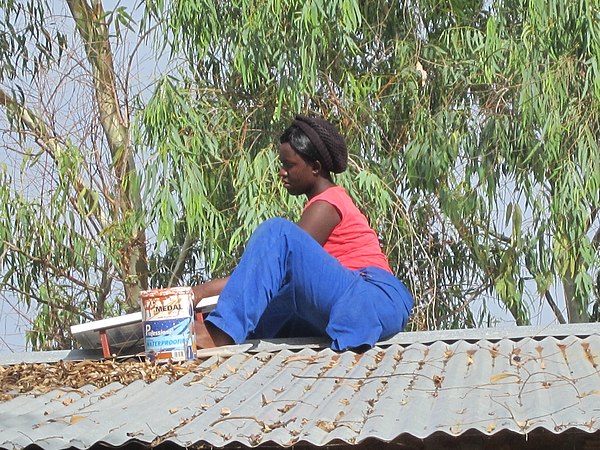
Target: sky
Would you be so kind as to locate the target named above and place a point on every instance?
(13, 323)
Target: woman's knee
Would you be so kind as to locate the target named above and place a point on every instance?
(270, 231)
(275, 225)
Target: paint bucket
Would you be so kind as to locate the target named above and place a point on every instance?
(168, 320)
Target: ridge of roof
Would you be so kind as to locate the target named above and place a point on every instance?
(404, 338)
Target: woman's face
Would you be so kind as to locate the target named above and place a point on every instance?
(297, 175)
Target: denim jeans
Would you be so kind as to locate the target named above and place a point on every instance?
(287, 284)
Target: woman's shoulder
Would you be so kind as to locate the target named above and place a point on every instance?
(334, 192)
(334, 195)
(337, 197)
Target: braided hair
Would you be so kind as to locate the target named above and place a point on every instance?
(315, 139)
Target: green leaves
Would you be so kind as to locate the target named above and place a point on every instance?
(27, 44)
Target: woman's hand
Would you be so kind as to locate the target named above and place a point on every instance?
(208, 289)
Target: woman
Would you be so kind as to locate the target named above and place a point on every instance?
(326, 275)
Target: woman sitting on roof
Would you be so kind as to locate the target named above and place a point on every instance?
(325, 275)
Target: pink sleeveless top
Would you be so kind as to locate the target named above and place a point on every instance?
(353, 242)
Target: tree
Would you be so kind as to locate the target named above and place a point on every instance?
(76, 226)
(472, 128)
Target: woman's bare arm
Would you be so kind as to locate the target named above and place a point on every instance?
(319, 220)
(208, 289)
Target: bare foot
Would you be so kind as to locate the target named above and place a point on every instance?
(209, 336)
(219, 337)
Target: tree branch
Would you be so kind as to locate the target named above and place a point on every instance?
(48, 265)
(555, 309)
(92, 27)
(40, 131)
(89, 20)
(62, 305)
(180, 263)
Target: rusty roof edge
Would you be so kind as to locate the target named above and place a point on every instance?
(52, 356)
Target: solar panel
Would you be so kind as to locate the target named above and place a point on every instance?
(122, 332)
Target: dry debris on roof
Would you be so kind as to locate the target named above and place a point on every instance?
(522, 392)
(41, 378)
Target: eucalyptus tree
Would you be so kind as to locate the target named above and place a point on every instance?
(73, 242)
(472, 128)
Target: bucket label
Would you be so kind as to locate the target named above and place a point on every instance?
(169, 336)
(168, 316)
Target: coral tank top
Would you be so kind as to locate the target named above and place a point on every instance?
(353, 242)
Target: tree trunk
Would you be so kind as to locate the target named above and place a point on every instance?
(89, 20)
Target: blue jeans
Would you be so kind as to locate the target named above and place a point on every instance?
(286, 283)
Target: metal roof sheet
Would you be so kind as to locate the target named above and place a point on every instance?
(317, 396)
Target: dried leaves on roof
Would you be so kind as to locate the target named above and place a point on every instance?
(41, 378)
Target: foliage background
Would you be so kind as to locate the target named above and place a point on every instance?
(472, 126)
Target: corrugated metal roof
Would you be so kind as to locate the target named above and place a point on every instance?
(451, 385)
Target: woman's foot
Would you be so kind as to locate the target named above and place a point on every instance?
(209, 336)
